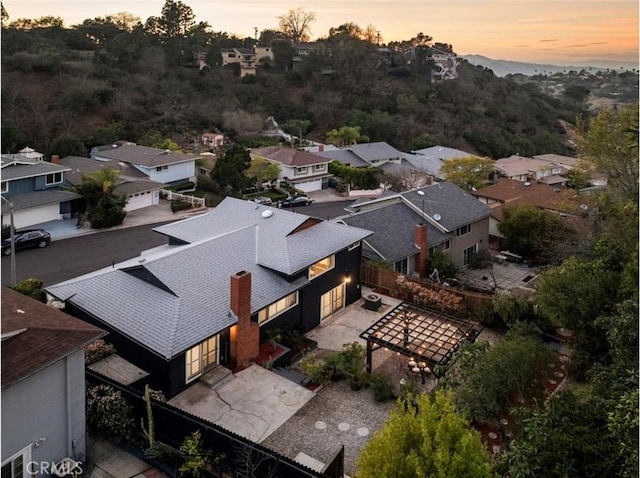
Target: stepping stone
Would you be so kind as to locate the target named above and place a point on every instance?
(553, 382)
(558, 374)
(320, 425)
(492, 435)
(362, 431)
(344, 426)
(504, 421)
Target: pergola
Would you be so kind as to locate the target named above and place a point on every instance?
(423, 335)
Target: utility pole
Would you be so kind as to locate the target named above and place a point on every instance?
(378, 38)
(13, 242)
(255, 32)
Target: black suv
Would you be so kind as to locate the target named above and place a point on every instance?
(26, 239)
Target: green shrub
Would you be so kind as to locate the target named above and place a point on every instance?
(318, 369)
(195, 458)
(178, 205)
(108, 413)
(381, 387)
(96, 351)
(32, 288)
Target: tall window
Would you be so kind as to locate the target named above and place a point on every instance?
(5, 187)
(53, 178)
(468, 254)
(402, 266)
(277, 308)
(321, 267)
(201, 357)
(16, 466)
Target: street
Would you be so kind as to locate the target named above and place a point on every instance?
(68, 258)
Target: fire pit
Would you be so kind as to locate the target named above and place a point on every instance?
(372, 302)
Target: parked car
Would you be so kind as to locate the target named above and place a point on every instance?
(293, 201)
(26, 239)
(261, 200)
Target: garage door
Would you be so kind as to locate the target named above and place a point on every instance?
(309, 186)
(34, 215)
(139, 200)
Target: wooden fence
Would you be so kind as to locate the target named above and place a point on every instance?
(384, 280)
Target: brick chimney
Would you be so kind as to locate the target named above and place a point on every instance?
(420, 240)
(245, 335)
(55, 159)
(320, 148)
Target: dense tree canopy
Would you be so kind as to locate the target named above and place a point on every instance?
(295, 25)
(425, 437)
(468, 172)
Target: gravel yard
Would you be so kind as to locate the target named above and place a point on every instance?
(335, 416)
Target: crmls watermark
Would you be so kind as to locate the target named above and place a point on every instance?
(62, 468)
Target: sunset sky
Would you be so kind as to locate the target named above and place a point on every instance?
(540, 31)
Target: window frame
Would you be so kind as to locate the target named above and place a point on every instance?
(159, 169)
(202, 359)
(319, 167)
(4, 187)
(331, 266)
(25, 454)
(464, 254)
(51, 183)
(301, 170)
(289, 302)
(464, 230)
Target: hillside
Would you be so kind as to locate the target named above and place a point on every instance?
(133, 86)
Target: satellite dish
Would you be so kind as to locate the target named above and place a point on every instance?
(267, 213)
(437, 217)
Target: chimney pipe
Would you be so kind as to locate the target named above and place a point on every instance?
(55, 159)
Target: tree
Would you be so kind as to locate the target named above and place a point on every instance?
(468, 172)
(263, 171)
(295, 25)
(103, 208)
(32, 288)
(176, 20)
(229, 170)
(406, 179)
(425, 437)
(578, 94)
(5, 16)
(345, 135)
(609, 144)
(531, 232)
(297, 127)
(66, 145)
(283, 53)
(508, 373)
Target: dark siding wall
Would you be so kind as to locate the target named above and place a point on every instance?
(306, 315)
(21, 186)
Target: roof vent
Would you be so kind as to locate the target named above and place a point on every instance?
(527, 183)
(267, 214)
(437, 217)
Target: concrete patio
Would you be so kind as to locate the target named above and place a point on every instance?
(253, 402)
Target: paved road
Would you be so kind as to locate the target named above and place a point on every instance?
(68, 258)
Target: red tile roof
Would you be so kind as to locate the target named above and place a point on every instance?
(42, 336)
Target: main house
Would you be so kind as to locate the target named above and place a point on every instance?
(34, 188)
(305, 171)
(43, 385)
(159, 165)
(139, 190)
(224, 279)
(409, 226)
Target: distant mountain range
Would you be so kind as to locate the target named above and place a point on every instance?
(506, 67)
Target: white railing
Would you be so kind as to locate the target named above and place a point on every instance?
(194, 201)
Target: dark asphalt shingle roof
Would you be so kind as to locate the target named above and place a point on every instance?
(79, 166)
(173, 297)
(15, 171)
(345, 157)
(393, 230)
(38, 198)
(378, 151)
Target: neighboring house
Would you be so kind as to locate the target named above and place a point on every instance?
(223, 280)
(525, 169)
(568, 163)
(509, 193)
(305, 171)
(446, 62)
(245, 57)
(160, 165)
(212, 140)
(139, 190)
(34, 188)
(407, 227)
(376, 154)
(263, 51)
(206, 163)
(431, 159)
(43, 385)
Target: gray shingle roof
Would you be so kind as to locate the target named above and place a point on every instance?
(144, 156)
(455, 206)
(190, 299)
(393, 230)
(345, 157)
(427, 164)
(15, 171)
(38, 198)
(442, 153)
(79, 166)
(375, 151)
